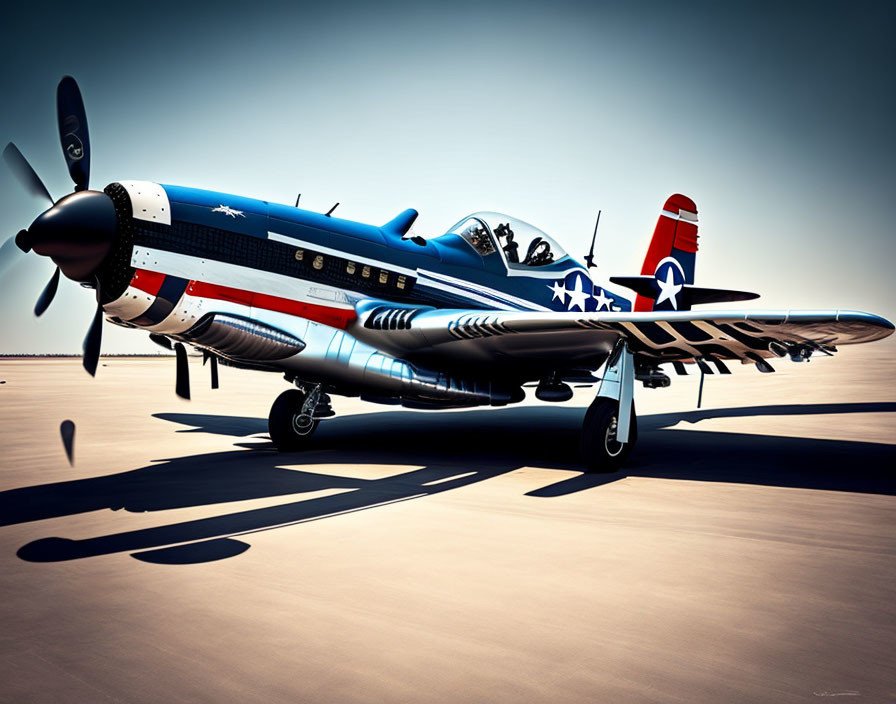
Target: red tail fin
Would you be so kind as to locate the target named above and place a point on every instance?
(675, 236)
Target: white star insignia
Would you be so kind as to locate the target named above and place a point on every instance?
(602, 300)
(577, 296)
(668, 289)
(559, 291)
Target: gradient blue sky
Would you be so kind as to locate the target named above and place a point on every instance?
(775, 117)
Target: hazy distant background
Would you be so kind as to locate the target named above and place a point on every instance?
(776, 118)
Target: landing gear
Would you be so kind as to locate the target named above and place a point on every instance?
(611, 427)
(292, 420)
(602, 449)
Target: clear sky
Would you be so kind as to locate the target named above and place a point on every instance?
(776, 118)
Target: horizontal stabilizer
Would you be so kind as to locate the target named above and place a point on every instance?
(402, 222)
(690, 295)
(642, 285)
(698, 294)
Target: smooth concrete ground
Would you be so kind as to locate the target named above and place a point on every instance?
(745, 555)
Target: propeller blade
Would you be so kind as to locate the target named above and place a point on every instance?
(46, 296)
(8, 254)
(93, 340)
(67, 431)
(214, 369)
(182, 383)
(73, 132)
(27, 176)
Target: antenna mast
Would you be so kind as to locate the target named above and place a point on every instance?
(589, 258)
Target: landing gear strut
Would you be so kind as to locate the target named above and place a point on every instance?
(610, 428)
(292, 420)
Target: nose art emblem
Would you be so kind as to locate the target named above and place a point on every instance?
(227, 210)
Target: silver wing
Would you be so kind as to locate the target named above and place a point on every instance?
(552, 339)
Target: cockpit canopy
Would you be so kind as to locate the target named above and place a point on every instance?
(521, 245)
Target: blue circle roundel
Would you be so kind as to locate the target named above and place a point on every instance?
(670, 281)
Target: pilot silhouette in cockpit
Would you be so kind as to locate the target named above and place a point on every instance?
(478, 238)
(539, 253)
(510, 247)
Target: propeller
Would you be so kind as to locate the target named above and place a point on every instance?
(77, 231)
(46, 296)
(67, 431)
(182, 383)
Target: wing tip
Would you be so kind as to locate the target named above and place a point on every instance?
(878, 321)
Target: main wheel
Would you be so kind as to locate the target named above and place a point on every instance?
(601, 451)
(291, 426)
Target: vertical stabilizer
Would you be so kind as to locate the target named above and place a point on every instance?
(671, 255)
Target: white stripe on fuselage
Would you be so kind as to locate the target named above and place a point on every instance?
(488, 295)
(131, 304)
(532, 272)
(239, 277)
(462, 287)
(250, 279)
(459, 287)
(469, 295)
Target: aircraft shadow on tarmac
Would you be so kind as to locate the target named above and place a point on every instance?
(453, 449)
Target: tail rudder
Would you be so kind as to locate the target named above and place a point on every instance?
(672, 253)
(667, 276)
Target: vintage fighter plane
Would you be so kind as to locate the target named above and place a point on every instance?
(339, 307)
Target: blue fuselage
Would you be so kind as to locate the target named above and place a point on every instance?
(370, 261)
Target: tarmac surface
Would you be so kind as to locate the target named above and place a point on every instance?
(746, 554)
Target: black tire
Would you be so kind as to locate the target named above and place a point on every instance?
(289, 431)
(600, 453)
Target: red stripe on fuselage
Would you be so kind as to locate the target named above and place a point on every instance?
(147, 281)
(334, 317)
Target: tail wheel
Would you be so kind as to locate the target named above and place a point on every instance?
(601, 451)
(291, 422)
